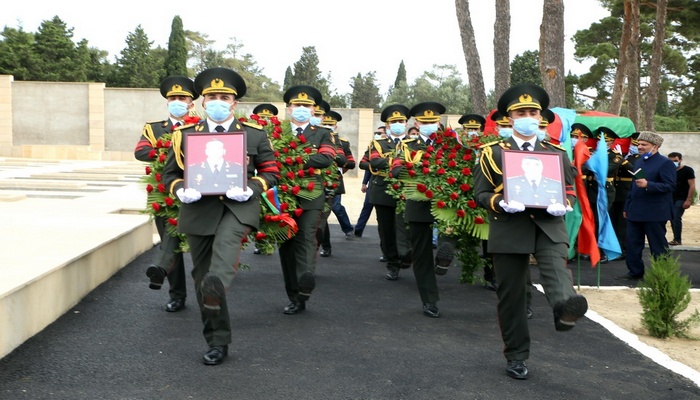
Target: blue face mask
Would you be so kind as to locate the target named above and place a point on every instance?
(526, 126)
(471, 134)
(315, 121)
(177, 108)
(301, 114)
(634, 150)
(397, 128)
(647, 155)
(541, 135)
(377, 137)
(573, 142)
(427, 130)
(676, 163)
(505, 133)
(218, 110)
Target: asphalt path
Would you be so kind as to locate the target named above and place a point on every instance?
(361, 337)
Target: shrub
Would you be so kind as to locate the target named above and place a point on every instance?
(664, 294)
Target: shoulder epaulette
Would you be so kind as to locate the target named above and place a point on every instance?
(181, 127)
(491, 143)
(252, 125)
(408, 140)
(344, 140)
(556, 146)
(157, 122)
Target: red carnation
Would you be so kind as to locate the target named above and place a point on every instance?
(260, 236)
(255, 117)
(244, 239)
(290, 175)
(300, 173)
(451, 180)
(302, 139)
(413, 154)
(471, 204)
(426, 155)
(467, 157)
(440, 204)
(166, 144)
(293, 145)
(307, 150)
(285, 150)
(426, 171)
(275, 121)
(172, 221)
(466, 171)
(152, 153)
(464, 187)
(451, 156)
(262, 122)
(295, 190)
(421, 187)
(161, 188)
(441, 171)
(276, 135)
(461, 213)
(284, 188)
(161, 157)
(426, 163)
(310, 186)
(333, 186)
(312, 170)
(409, 165)
(395, 186)
(411, 173)
(284, 206)
(169, 201)
(454, 196)
(298, 212)
(155, 206)
(158, 177)
(277, 153)
(299, 160)
(452, 164)
(279, 164)
(429, 194)
(288, 161)
(267, 218)
(148, 170)
(478, 220)
(149, 188)
(328, 172)
(159, 144)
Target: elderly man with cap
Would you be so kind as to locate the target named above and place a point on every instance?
(516, 231)
(377, 160)
(649, 203)
(215, 225)
(180, 94)
(417, 213)
(298, 254)
(344, 164)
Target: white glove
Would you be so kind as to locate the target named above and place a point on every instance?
(617, 148)
(238, 194)
(188, 195)
(512, 207)
(558, 209)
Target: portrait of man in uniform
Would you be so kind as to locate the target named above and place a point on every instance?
(527, 182)
(214, 166)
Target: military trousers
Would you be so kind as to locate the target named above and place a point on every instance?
(421, 236)
(298, 254)
(171, 260)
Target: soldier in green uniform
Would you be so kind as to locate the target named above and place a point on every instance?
(264, 110)
(215, 225)
(623, 182)
(377, 160)
(417, 213)
(344, 154)
(515, 232)
(298, 254)
(180, 93)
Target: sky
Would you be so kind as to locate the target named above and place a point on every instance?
(350, 37)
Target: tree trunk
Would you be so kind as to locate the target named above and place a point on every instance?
(471, 55)
(552, 52)
(618, 91)
(633, 60)
(501, 47)
(655, 66)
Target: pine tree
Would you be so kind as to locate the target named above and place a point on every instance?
(176, 61)
(55, 53)
(137, 67)
(365, 93)
(16, 54)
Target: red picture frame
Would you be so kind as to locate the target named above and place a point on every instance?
(215, 161)
(534, 178)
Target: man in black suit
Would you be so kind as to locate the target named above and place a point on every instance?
(180, 94)
(215, 225)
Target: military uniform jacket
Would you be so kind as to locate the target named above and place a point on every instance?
(320, 139)
(415, 211)
(377, 161)
(515, 232)
(653, 203)
(152, 131)
(202, 216)
(623, 178)
(348, 164)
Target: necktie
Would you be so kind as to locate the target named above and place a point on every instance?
(299, 130)
(177, 124)
(427, 142)
(534, 185)
(216, 169)
(526, 146)
(219, 128)
(396, 141)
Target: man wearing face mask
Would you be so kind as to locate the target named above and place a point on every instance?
(298, 254)
(682, 196)
(378, 159)
(417, 213)
(515, 232)
(179, 92)
(649, 204)
(623, 182)
(345, 162)
(503, 125)
(216, 225)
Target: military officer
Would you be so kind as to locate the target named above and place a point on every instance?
(623, 183)
(377, 160)
(215, 225)
(265, 110)
(417, 213)
(330, 121)
(298, 254)
(180, 94)
(516, 231)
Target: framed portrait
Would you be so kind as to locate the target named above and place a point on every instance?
(215, 162)
(534, 178)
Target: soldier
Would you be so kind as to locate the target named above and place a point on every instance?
(420, 219)
(298, 254)
(216, 225)
(264, 110)
(330, 121)
(180, 93)
(514, 233)
(623, 183)
(377, 160)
